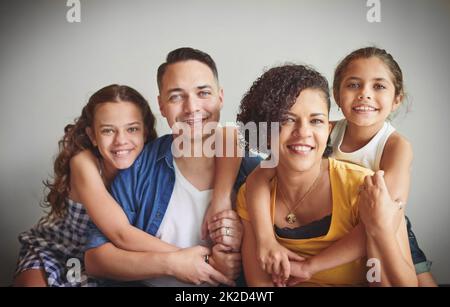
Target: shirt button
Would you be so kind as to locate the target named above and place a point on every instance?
(158, 215)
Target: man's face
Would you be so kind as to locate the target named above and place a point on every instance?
(190, 96)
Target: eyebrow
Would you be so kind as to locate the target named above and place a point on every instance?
(178, 89)
(376, 79)
(312, 114)
(129, 124)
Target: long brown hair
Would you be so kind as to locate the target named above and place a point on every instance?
(76, 140)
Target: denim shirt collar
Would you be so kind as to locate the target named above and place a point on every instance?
(165, 151)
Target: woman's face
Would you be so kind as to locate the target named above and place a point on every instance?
(118, 133)
(304, 132)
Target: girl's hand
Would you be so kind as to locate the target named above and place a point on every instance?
(378, 212)
(275, 259)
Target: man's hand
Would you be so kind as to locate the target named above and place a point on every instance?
(189, 266)
(225, 261)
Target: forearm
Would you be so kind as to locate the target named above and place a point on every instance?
(226, 173)
(254, 275)
(258, 200)
(351, 247)
(395, 269)
(133, 239)
(107, 261)
(228, 162)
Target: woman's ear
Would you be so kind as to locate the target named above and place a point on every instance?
(90, 134)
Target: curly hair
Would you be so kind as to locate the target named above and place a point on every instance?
(274, 93)
(76, 140)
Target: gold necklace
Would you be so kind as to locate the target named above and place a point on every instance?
(290, 217)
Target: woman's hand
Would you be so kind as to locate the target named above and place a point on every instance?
(226, 229)
(378, 212)
(216, 206)
(275, 259)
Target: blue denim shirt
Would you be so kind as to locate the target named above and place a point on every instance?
(144, 190)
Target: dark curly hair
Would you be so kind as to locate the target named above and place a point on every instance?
(273, 94)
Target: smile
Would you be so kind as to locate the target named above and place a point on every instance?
(300, 148)
(193, 121)
(364, 108)
(121, 153)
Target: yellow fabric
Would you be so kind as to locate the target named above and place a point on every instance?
(345, 179)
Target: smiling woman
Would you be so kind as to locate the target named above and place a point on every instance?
(314, 200)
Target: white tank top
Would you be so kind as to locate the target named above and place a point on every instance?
(368, 156)
(181, 225)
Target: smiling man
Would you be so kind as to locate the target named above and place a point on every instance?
(166, 193)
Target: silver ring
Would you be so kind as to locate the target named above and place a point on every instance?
(206, 258)
(227, 231)
(400, 205)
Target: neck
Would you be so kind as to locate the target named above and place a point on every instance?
(357, 136)
(295, 184)
(196, 164)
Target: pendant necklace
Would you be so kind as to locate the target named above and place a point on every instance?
(290, 217)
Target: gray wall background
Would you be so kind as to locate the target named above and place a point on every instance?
(49, 68)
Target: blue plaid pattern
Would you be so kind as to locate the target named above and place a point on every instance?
(52, 242)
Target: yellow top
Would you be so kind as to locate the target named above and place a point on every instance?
(345, 179)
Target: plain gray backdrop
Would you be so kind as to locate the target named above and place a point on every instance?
(49, 68)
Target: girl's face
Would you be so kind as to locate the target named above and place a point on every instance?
(304, 131)
(118, 133)
(367, 93)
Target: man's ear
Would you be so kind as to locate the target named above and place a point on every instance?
(161, 106)
(90, 134)
(397, 102)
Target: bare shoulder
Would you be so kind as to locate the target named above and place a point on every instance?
(397, 148)
(399, 144)
(82, 160)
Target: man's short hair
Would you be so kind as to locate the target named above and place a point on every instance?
(186, 54)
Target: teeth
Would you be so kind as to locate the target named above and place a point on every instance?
(121, 152)
(301, 148)
(193, 121)
(364, 108)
